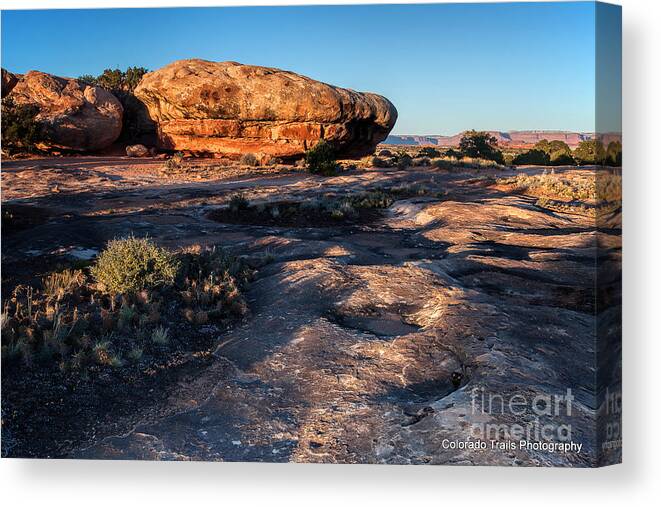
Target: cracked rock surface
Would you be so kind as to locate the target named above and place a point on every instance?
(371, 343)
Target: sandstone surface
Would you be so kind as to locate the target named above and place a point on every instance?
(137, 150)
(73, 115)
(232, 109)
(9, 80)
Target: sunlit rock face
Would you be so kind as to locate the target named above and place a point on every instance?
(9, 80)
(232, 109)
(73, 115)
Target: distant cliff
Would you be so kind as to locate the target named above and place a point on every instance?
(514, 138)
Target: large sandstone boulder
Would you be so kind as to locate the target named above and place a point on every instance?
(9, 80)
(229, 108)
(73, 115)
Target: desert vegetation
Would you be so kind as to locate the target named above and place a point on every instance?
(20, 130)
(480, 145)
(138, 303)
(327, 210)
(321, 159)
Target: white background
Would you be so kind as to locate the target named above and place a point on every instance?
(638, 481)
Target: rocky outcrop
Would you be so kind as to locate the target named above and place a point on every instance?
(73, 115)
(137, 150)
(9, 80)
(229, 108)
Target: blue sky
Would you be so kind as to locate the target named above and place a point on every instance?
(446, 67)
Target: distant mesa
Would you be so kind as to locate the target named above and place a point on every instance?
(72, 115)
(231, 109)
(513, 139)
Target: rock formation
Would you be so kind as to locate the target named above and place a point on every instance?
(137, 150)
(9, 80)
(73, 115)
(229, 108)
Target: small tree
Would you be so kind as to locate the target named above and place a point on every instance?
(614, 154)
(590, 152)
(532, 157)
(321, 159)
(559, 152)
(480, 145)
(20, 129)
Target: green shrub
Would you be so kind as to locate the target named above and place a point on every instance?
(130, 265)
(532, 157)
(480, 145)
(321, 159)
(590, 152)
(403, 160)
(452, 153)
(560, 158)
(429, 152)
(614, 154)
(559, 152)
(20, 129)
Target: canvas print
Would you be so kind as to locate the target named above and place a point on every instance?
(377, 234)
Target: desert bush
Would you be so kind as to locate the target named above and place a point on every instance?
(116, 80)
(403, 160)
(421, 162)
(249, 159)
(480, 145)
(20, 129)
(175, 161)
(452, 153)
(560, 158)
(56, 285)
(551, 185)
(429, 152)
(443, 163)
(532, 157)
(385, 153)
(321, 159)
(160, 335)
(132, 264)
(381, 162)
(559, 152)
(590, 152)
(238, 202)
(614, 154)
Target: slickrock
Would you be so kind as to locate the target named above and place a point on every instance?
(232, 109)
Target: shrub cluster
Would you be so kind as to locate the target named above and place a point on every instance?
(69, 322)
(133, 264)
(20, 129)
(249, 159)
(555, 153)
(321, 159)
(480, 145)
